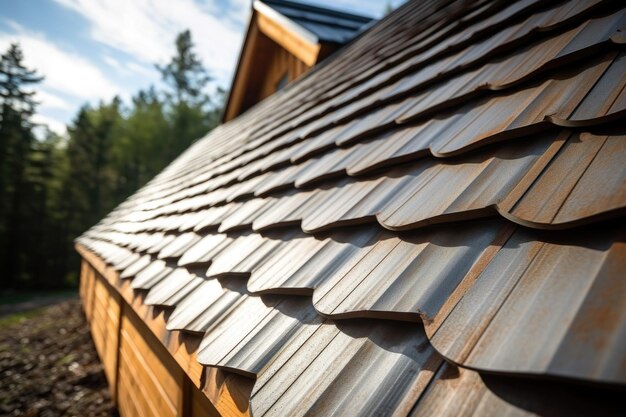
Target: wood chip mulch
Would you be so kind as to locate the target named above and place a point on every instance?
(49, 366)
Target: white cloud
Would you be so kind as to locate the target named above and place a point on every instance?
(145, 29)
(51, 101)
(112, 62)
(240, 11)
(142, 70)
(65, 72)
(130, 68)
(52, 123)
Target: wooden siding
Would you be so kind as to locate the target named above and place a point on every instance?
(102, 308)
(105, 326)
(145, 378)
(269, 52)
(263, 64)
(280, 63)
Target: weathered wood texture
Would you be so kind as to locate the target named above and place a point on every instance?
(280, 63)
(303, 49)
(151, 372)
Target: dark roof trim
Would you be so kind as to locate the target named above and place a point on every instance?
(320, 10)
(326, 25)
(286, 22)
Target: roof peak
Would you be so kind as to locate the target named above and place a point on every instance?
(319, 9)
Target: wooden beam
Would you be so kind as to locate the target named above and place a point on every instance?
(242, 73)
(304, 50)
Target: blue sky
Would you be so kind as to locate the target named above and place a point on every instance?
(90, 50)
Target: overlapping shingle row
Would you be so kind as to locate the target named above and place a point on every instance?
(394, 212)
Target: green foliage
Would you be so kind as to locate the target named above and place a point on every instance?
(185, 74)
(54, 188)
(388, 8)
(14, 77)
(17, 318)
(21, 165)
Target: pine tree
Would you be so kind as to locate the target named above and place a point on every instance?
(16, 141)
(53, 188)
(388, 8)
(189, 106)
(140, 151)
(14, 77)
(185, 74)
(91, 178)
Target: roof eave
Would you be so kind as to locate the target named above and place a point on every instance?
(288, 24)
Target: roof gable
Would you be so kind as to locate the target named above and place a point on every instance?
(284, 40)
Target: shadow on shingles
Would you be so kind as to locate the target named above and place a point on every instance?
(406, 338)
(165, 310)
(599, 236)
(284, 234)
(237, 388)
(235, 284)
(191, 342)
(359, 235)
(557, 398)
(611, 129)
(298, 307)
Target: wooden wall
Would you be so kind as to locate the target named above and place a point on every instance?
(269, 53)
(263, 64)
(279, 63)
(144, 378)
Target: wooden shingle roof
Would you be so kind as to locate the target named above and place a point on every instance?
(429, 223)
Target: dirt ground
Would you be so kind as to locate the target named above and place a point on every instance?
(49, 366)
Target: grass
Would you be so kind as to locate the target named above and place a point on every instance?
(8, 298)
(19, 317)
(18, 306)
(65, 360)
